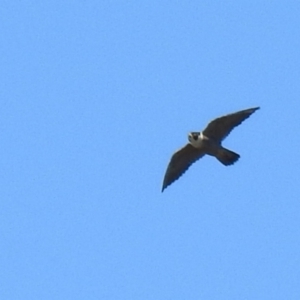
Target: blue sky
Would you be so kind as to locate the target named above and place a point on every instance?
(95, 98)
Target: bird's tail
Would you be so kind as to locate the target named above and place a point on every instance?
(227, 157)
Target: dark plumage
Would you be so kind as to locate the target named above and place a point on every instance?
(206, 142)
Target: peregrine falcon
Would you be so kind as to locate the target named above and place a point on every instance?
(209, 141)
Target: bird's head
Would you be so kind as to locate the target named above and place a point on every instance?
(193, 136)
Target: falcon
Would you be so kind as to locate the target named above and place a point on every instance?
(209, 141)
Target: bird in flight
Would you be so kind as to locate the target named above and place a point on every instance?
(209, 141)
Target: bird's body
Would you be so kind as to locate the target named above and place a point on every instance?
(209, 142)
(204, 143)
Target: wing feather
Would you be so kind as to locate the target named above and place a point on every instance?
(219, 128)
(180, 162)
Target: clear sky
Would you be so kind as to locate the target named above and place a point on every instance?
(95, 98)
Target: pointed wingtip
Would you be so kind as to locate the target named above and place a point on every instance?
(251, 110)
(164, 186)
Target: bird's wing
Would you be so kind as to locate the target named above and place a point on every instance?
(219, 128)
(180, 162)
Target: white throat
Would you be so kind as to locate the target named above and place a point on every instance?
(197, 143)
